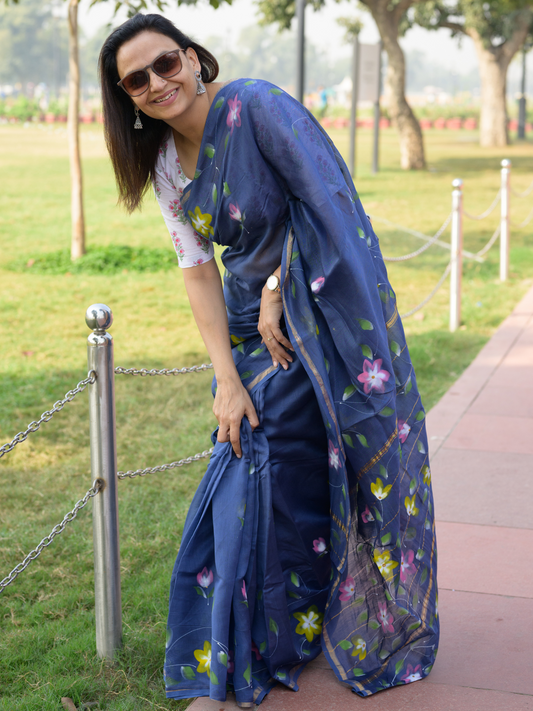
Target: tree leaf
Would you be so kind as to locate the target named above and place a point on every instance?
(362, 439)
(345, 644)
(295, 580)
(348, 392)
(367, 351)
(365, 324)
(273, 625)
(348, 440)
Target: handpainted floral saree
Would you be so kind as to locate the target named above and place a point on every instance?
(322, 537)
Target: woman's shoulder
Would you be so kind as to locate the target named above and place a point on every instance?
(247, 87)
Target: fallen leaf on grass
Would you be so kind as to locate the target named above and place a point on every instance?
(68, 704)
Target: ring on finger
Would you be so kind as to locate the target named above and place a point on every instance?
(269, 339)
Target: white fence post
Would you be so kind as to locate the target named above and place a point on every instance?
(456, 256)
(107, 602)
(505, 219)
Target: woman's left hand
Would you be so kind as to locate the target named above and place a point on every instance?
(269, 327)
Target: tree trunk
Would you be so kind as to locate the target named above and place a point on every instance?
(76, 187)
(411, 141)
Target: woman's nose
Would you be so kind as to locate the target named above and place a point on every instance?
(156, 82)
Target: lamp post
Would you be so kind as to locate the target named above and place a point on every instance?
(300, 51)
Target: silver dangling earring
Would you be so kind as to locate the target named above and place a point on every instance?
(200, 88)
(138, 122)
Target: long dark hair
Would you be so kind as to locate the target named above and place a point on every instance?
(134, 152)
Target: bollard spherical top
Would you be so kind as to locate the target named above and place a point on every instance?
(99, 317)
(506, 163)
(457, 184)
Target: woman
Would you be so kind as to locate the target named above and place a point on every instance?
(312, 529)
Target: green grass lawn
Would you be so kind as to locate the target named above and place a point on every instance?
(47, 642)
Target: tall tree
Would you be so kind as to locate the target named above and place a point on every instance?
(391, 19)
(498, 28)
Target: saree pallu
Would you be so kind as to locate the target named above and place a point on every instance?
(322, 536)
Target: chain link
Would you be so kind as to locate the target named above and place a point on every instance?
(525, 222)
(491, 241)
(143, 372)
(524, 194)
(47, 540)
(487, 211)
(47, 416)
(430, 296)
(422, 249)
(165, 467)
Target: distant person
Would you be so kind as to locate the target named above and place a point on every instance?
(312, 529)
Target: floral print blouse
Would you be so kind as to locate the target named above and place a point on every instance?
(191, 247)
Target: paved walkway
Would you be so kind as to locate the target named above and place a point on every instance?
(481, 438)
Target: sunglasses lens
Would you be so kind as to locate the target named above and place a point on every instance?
(136, 82)
(168, 65)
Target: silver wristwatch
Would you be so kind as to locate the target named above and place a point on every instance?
(273, 284)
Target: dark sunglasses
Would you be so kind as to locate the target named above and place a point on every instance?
(166, 65)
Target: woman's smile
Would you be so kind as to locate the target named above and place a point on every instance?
(166, 98)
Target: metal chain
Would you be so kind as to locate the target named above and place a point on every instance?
(432, 241)
(519, 225)
(487, 211)
(164, 371)
(524, 194)
(47, 416)
(164, 467)
(491, 241)
(70, 516)
(428, 298)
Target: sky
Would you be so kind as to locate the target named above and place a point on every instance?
(202, 21)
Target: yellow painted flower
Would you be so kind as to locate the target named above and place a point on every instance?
(385, 565)
(201, 222)
(204, 658)
(309, 623)
(379, 491)
(359, 648)
(427, 474)
(410, 505)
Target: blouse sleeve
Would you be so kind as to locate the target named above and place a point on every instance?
(192, 249)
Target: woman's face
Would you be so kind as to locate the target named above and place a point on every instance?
(164, 99)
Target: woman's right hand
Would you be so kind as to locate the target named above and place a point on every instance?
(232, 403)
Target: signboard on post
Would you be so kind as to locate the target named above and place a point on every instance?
(369, 72)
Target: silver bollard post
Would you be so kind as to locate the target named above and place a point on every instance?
(456, 256)
(505, 223)
(108, 610)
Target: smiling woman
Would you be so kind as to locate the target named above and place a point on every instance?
(294, 544)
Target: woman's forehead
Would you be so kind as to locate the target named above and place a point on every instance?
(141, 50)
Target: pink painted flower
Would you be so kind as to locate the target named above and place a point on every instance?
(198, 262)
(347, 589)
(205, 578)
(317, 284)
(412, 674)
(406, 566)
(234, 113)
(235, 213)
(403, 430)
(367, 515)
(319, 545)
(373, 377)
(243, 590)
(384, 618)
(256, 651)
(333, 452)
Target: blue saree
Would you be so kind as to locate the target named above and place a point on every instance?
(322, 537)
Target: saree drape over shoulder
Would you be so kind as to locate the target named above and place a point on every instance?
(322, 537)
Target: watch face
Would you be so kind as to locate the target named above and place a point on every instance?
(272, 282)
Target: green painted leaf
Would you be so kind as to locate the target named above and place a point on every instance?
(223, 658)
(420, 415)
(424, 497)
(169, 681)
(227, 191)
(348, 392)
(343, 489)
(415, 600)
(281, 675)
(424, 575)
(384, 654)
(348, 440)
(293, 288)
(375, 645)
(295, 131)
(373, 624)
(294, 256)
(209, 150)
(341, 507)
(247, 674)
(251, 469)
(363, 617)
(199, 590)
(408, 386)
(273, 625)
(419, 554)
(396, 642)
(359, 600)
(395, 348)
(247, 374)
(357, 672)
(414, 626)
(295, 580)
(367, 351)
(259, 594)
(274, 90)
(365, 324)
(388, 595)
(383, 472)
(399, 666)
(219, 103)
(377, 514)
(326, 363)
(345, 644)
(387, 412)
(362, 439)
(262, 647)
(421, 447)
(188, 673)
(385, 540)
(373, 581)
(410, 534)
(360, 547)
(214, 193)
(412, 486)
(360, 233)
(197, 174)
(240, 348)
(401, 590)
(258, 351)
(401, 611)
(251, 81)
(383, 296)
(226, 141)
(294, 595)
(336, 536)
